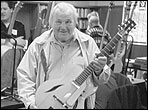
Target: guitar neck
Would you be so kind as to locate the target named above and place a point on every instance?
(17, 8)
(47, 14)
(89, 69)
(11, 25)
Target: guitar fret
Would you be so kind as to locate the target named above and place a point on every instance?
(117, 39)
(77, 82)
(80, 79)
(114, 43)
(109, 46)
(88, 70)
(83, 76)
(104, 52)
(107, 49)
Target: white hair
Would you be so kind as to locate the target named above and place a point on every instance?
(63, 6)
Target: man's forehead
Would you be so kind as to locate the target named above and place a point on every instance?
(4, 4)
(65, 13)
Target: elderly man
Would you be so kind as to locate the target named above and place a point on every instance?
(61, 64)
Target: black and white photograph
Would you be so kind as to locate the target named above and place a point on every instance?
(73, 54)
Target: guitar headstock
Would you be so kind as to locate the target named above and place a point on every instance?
(127, 26)
(128, 5)
(111, 4)
(18, 6)
(132, 11)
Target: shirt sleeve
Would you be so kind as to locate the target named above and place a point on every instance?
(20, 27)
(26, 77)
(103, 77)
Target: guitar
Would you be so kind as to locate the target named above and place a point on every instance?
(106, 22)
(71, 91)
(117, 60)
(43, 23)
(122, 46)
(8, 45)
(46, 24)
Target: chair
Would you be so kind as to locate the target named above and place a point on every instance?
(7, 62)
(103, 92)
(124, 97)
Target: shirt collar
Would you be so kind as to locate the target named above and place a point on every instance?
(49, 36)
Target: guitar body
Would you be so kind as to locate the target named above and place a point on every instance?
(57, 93)
(118, 64)
(117, 61)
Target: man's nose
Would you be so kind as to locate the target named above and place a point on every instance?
(63, 25)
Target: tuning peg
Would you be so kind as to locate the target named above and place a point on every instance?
(119, 27)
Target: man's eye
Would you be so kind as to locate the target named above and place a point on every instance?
(58, 22)
(68, 22)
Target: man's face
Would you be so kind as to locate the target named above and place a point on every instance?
(5, 11)
(63, 25)
(93, 21)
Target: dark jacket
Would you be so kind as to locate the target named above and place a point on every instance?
(103, 93)
(124, 97)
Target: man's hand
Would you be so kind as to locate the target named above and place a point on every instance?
(20, 41)
(99, 64)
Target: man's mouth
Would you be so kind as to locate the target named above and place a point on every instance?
(63, 31)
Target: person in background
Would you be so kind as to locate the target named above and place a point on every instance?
(7, 46)
(95, 30)
(58, 54)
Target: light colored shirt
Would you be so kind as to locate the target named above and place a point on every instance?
(62, 61)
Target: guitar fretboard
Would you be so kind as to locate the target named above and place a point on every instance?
(105, 51)
(84, 75)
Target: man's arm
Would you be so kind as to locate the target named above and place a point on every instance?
(20, 42)
(3, 41)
